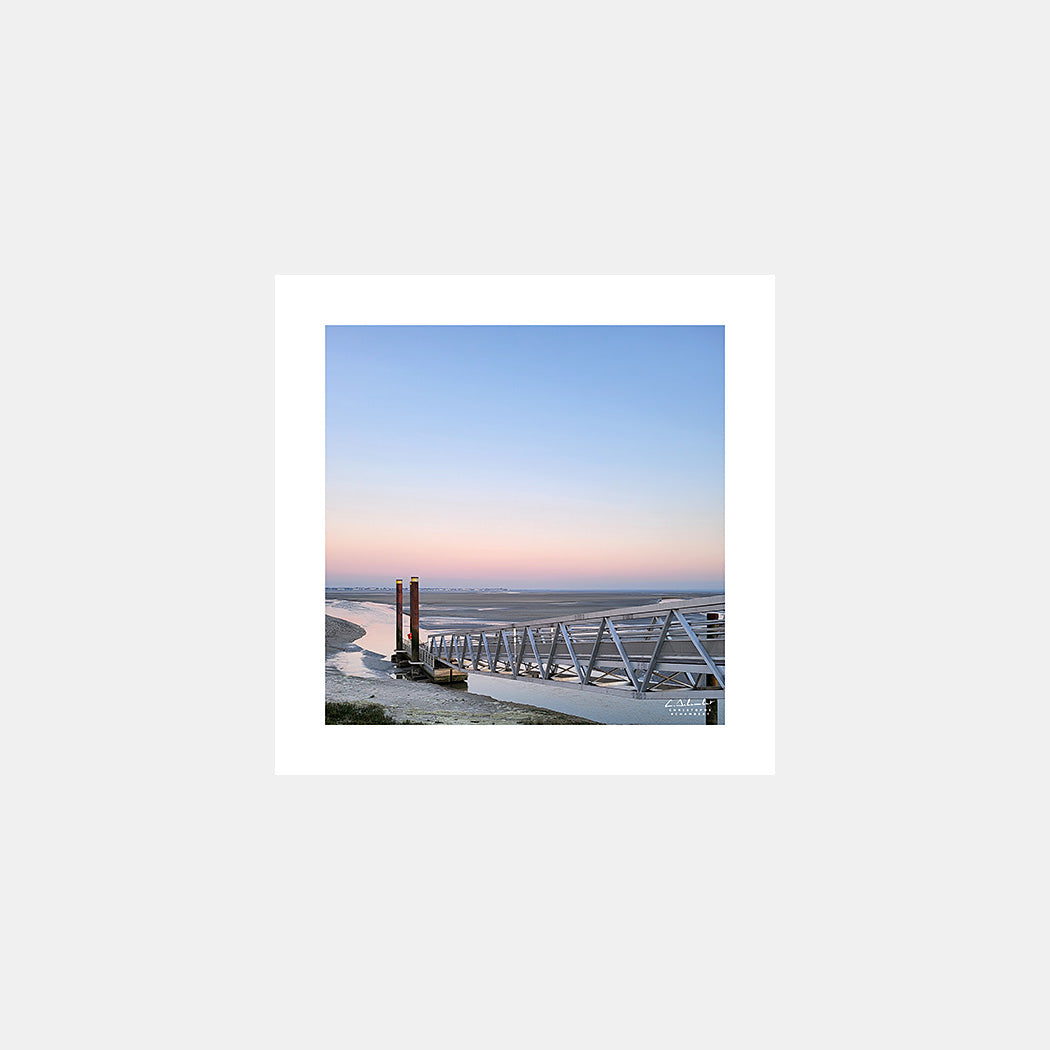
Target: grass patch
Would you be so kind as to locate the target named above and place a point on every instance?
(348, 714)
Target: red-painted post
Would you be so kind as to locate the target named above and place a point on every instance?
(413, 616)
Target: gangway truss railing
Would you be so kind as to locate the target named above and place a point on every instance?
(645, 649)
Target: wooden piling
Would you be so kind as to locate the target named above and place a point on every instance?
(399, 637)
(413, 616)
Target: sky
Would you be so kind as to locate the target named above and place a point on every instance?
(525, 456)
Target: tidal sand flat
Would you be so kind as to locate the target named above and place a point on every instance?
(405, 701)
(425, 703)
(339, 635)
(368, 656)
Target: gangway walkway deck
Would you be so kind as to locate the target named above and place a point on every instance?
(648, 649)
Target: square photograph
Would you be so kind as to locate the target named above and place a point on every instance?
(525, 525)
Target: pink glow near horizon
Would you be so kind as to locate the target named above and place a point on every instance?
(519, 560)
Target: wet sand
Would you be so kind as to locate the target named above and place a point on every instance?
(407, 701)
(339, 635)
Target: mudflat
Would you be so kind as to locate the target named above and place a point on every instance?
(409, 702)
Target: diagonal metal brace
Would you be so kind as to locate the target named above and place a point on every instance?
(656, 651)
(572, 653)
(623, 655)
(719, 676)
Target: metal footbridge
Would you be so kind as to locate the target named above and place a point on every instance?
(671, 648)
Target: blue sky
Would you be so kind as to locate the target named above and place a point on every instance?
(525, 456)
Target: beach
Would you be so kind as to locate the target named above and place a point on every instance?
(361, 672)
(358, 671)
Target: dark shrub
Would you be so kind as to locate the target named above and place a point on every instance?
(347, 714)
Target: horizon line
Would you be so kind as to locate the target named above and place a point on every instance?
(552, 587)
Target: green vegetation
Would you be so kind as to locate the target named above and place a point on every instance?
(348, 714)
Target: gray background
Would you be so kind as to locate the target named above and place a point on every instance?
(163, 887)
